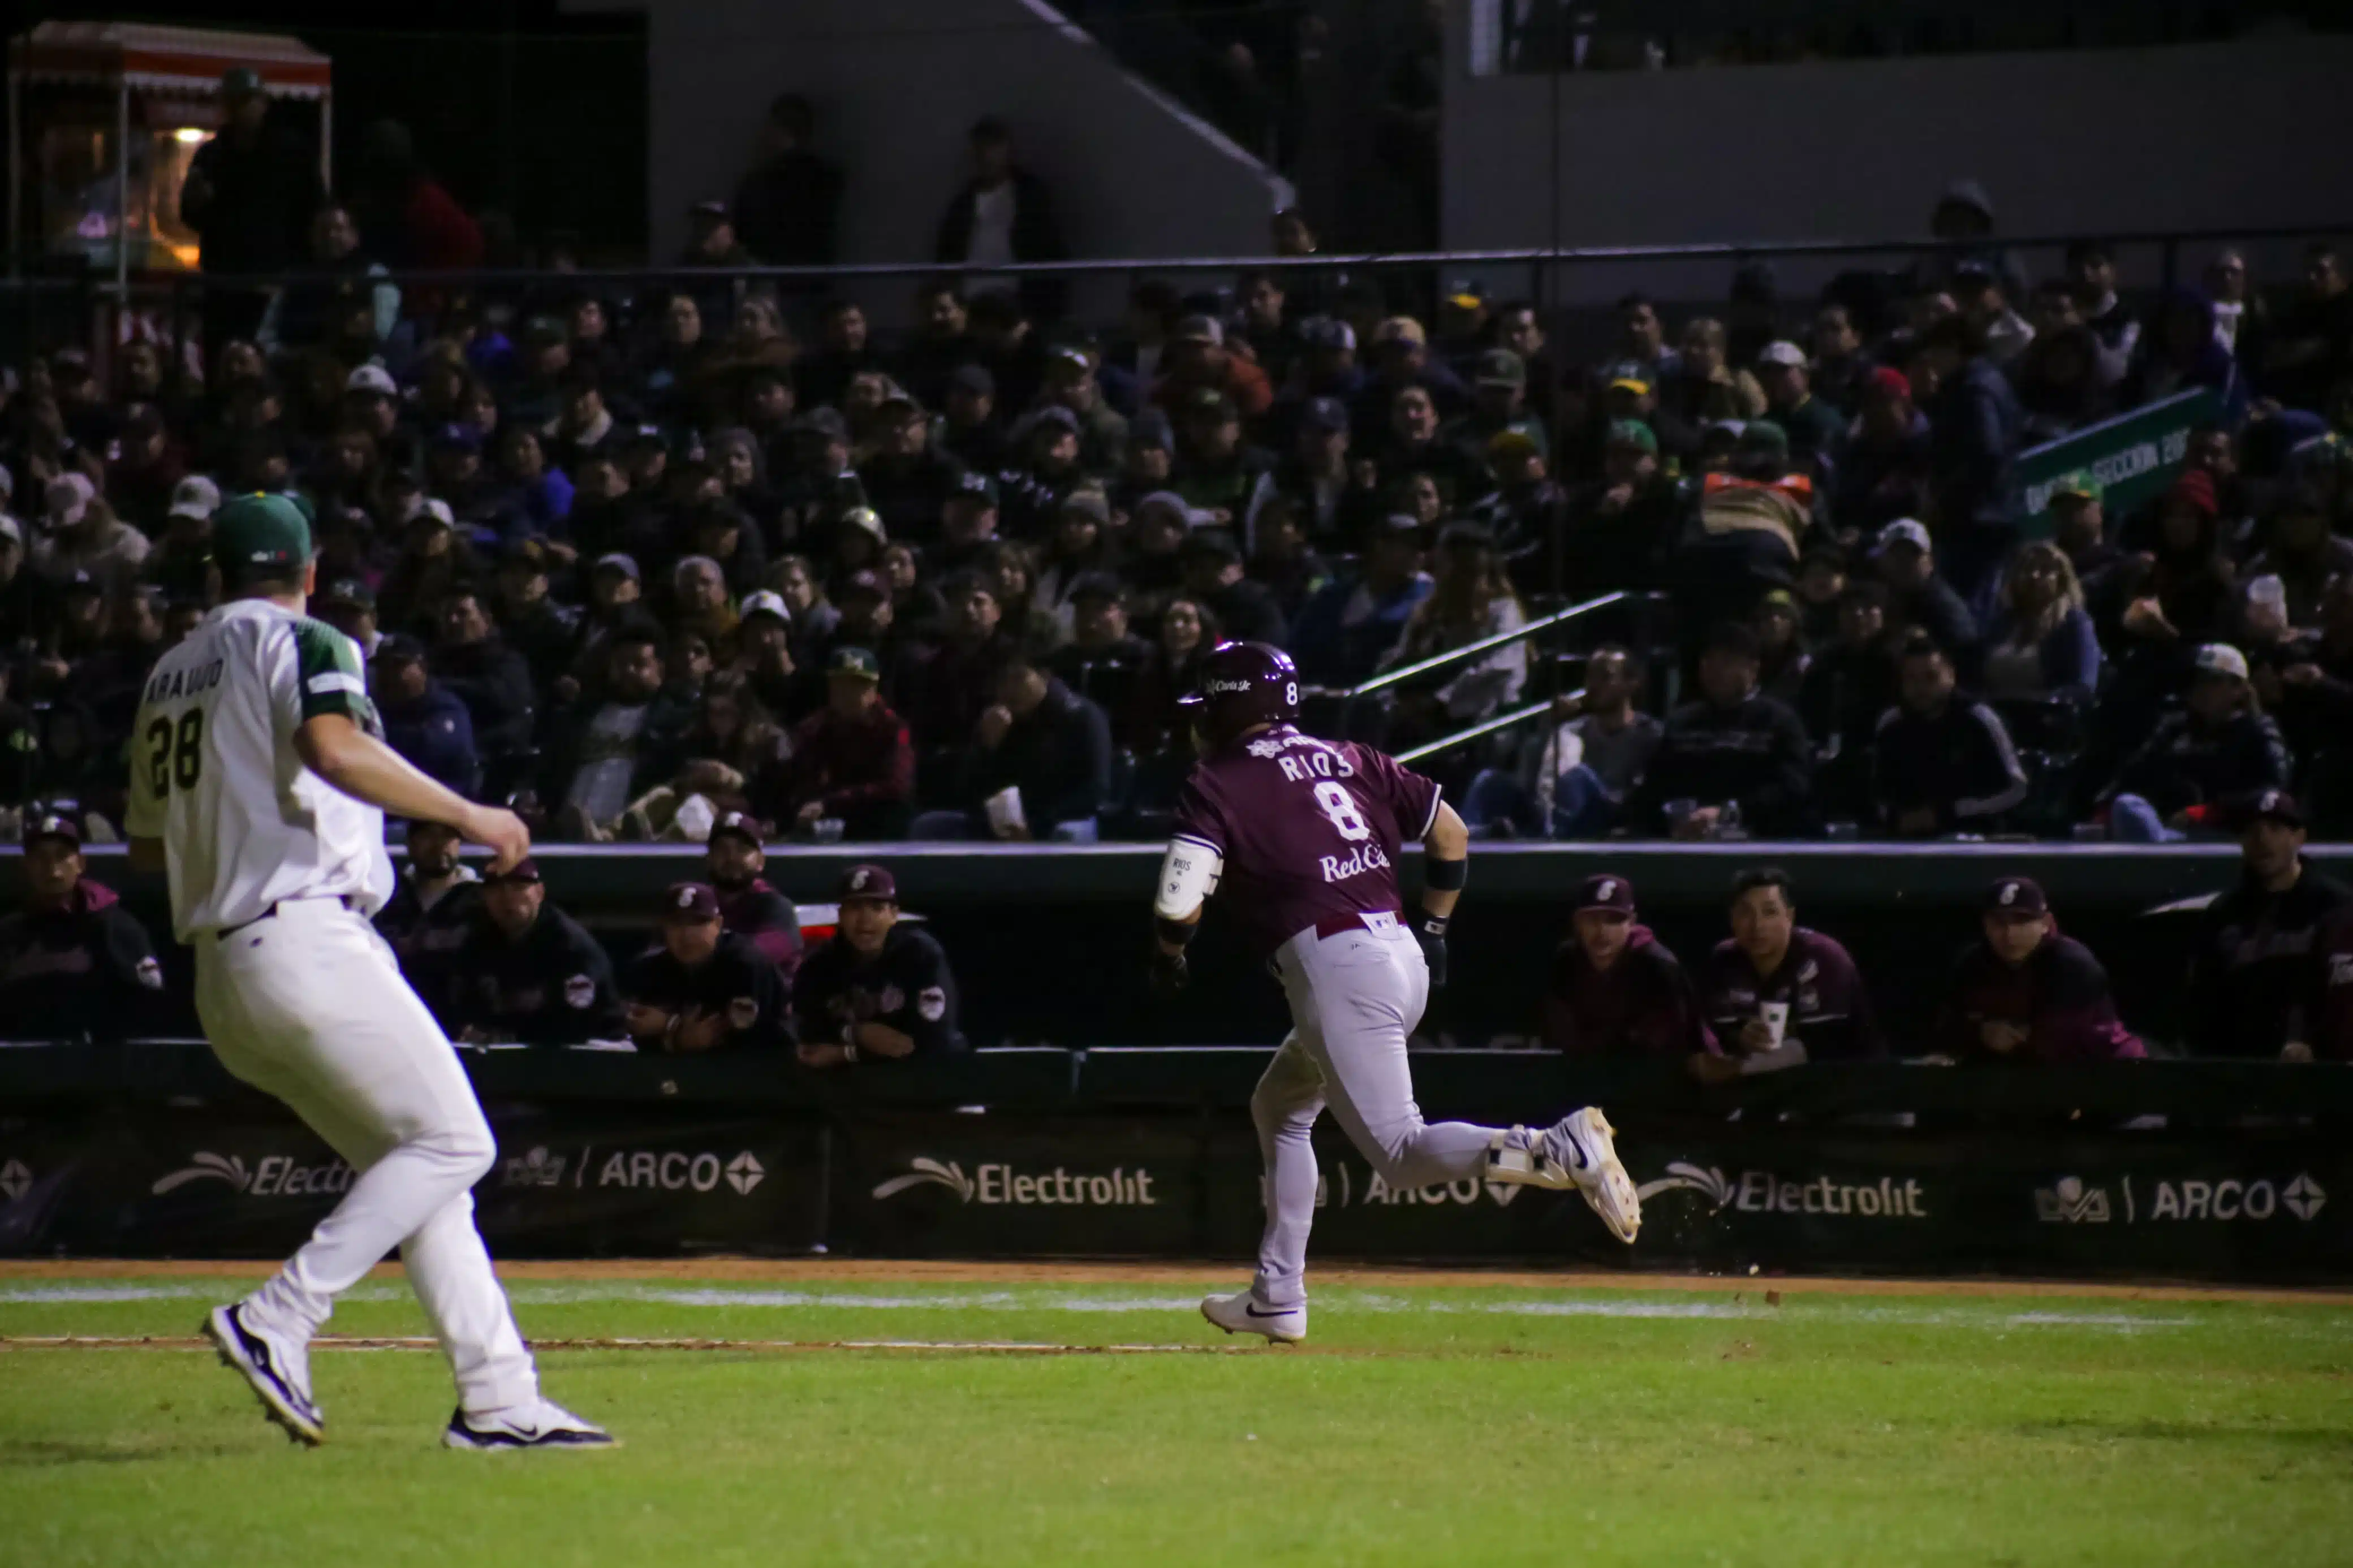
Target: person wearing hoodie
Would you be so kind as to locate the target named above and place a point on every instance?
(1038, 737)
(1732, 748)
(1964, 219)
(2221, 744)
(75, 965)
(424, 720)
(2022, 992)
(734, 857)
(2181, 353)
(1974, 423)
(426, 918)
(1615, 989)
(2057, 383)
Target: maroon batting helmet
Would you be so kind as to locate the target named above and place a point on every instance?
(1242, 684)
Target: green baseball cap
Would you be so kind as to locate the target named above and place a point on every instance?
(854, 661)
(1633, 433)
(2080, 485)
(262, 530)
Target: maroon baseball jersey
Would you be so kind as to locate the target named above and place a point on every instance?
(1308, 829)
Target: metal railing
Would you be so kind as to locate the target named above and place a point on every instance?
(1486, 726)
(1473, 650)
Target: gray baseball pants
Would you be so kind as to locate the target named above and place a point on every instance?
(1355, 997)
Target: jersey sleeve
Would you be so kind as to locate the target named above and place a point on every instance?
(1411, 799)
(327, 674)
(1197, 816)
(930, 1015)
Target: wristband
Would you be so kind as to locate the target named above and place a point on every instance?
(1445, 876)
(1432, 925)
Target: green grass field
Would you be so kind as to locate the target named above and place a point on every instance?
(1425, 1423)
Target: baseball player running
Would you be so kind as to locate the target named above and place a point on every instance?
(1302, 836)
(258, 783)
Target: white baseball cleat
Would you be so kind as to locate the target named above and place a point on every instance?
(543, 1425)
(277, 1366)
(1246, 1314)
(1576, 1151)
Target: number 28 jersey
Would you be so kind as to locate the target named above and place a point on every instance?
(215, 775)
(1308, 829)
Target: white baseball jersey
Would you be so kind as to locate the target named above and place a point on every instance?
(215, 775)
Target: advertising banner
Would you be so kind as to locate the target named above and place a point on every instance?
(2134, 457)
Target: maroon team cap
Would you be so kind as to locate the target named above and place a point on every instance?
(1607, 892)
(523, 870)
(739, 823)
(2263, 805)
(689, 903)
(52, 825)
(2019, 896)
(868, 882)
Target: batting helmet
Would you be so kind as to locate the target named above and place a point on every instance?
(1241, 684)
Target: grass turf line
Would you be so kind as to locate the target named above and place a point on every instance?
(1466, 1424)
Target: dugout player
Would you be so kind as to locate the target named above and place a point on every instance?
(260, 784)
(748, 906)
(879, 988)
(1771, 968)
(704, 988)
(431, 905)
(2022, 992)
(1302, 836)
(1615, 989)
(74, 963)
(528, 973)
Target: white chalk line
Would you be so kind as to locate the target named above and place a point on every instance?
(1339, 1302)
(192, 1345)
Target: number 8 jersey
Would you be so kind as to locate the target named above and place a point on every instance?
(1308, 830)
(215, 775)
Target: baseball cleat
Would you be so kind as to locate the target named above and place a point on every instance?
(1583, 1143)
(277, 1368)
(1246, 1314)
(544, 1424)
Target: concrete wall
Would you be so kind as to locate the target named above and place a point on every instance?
(2251, 132)
(896, 84)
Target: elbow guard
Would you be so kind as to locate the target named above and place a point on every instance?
(1189, 875)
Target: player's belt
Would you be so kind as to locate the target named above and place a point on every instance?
(346, 899)
(1363, 920)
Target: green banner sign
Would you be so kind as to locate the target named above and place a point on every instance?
(2134, 457)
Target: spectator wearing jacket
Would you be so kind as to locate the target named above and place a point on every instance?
(425, 920)
(2181, 354)
(1572, 779)
(1941, 763)
(474, 662)
(853, 761)
(75, 965)
(1884, 469)
(1777, 994)
(1003, 213)
(1816, 431)
(422, 719)
(1214, 575)
(1200, 365)
(2042, 643)
(787, 204)
(1920, 598)
(2221, 744)
(1622, 525)
(2251, 974)
(1731, 749)
(734, 857)
(1973, 423)
(1615, 989)
(2092, 277)
(1351, 625)
(2022, 992)
(1040, 739)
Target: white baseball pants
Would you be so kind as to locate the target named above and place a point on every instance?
(309, 1006)
(1354, 999)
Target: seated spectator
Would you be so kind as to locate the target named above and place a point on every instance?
(879, 990)
(701, 988)
(474, 662)
(1104, 660)
(1473, 599)
(2221, 744)
(1215, 470)
(1941, 763)
(734, 857)
(1816, 431)
(1282, 559)
(75, 965)
(731, 744)
(1615, 989)
(2181, 353)
(2059, 385)
(2250, 987)
(84, 535)
(2183, 591)
(1214, 577)
(2301, 552)
(1884, 471)
(853, 761)
(1525, 509)
(1777, 994)
(2042, 643)
(1081, 547)
(1039, 765)
(1198, 362)
(1499, 406)
(945, 697)
(530, 621)
(1622, 526)
(422, 719)
(764, 658)
(1348, 629)
(425, 920)
(2022, 992)
(2092, 273)
(1156, 721)
(1706, 388)
(1782, 654)
(613, 746)
(1919, 598)
(1331, 492)
(1412, 444)
(527, 973)
(1575, 776)
(2311, 347)
(1400, 360)
(1731, 759)
(1072, 383)
(1753, 526)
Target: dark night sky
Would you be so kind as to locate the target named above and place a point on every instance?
(514, 104)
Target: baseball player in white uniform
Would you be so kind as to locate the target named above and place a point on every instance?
(259, 781)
